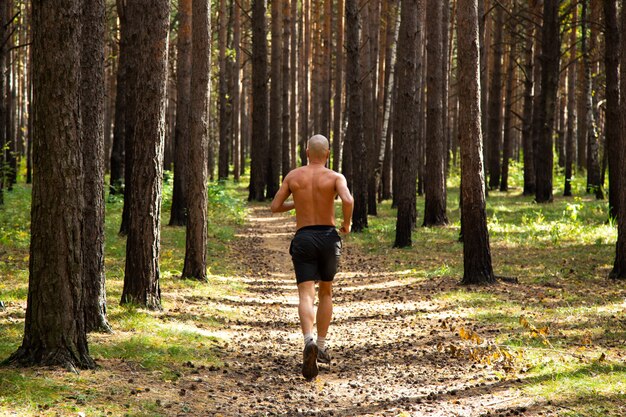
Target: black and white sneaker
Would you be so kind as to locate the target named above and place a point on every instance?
(323, 356)
(309, 361)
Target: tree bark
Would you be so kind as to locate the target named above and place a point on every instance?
(550, 54)
(224, 105)
(572, 113)
(178, 212)
(237, 102)
(507, 141)
(286, 75)
(338, 99)
(3, 68)
(92, 111)
(405, 124)
(494, 123)
(354, 134)
(149, 22)
(531, 102)
(477, 267)
(117, 149)
(611, 63)
(54, 330)
(260, 141)
(275, 149)
(435, 184)
(619, 266)
(196, 242)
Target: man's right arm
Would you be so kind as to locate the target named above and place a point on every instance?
(347, 202)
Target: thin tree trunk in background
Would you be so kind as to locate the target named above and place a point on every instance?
(196, 241)
(572, 113)
(178, 213)
(560, 125)
(128, 52)
(530, 81)
(149, 22)
(224, 110)
(477, 267)
(293, 87)
(275, 150)
(286, 77)
(593, 145)
(445, 72)
(619, 266)
(338, 99)
(54, 328)
(92, 112)
(369, 122)
(611, 63)
(507, 144)
(405, 125)
(3, 69)
(236, 111)
(494, 123)
(354, 134)
(119, 123)
(259, 135)
(435, 184)
(327, 59)
(303, 77)
(550, 53)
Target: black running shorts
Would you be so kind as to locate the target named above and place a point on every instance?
(315, 252)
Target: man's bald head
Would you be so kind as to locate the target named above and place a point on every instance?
(318, 147)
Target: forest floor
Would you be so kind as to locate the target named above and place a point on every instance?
(406, 339)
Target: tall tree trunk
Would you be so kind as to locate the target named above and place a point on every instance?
(507, 142)
(293, 83)
(237, 102)
(527, 122)
(149, 22)
(305, 85)
(477, 267)
(369, 123)
(550, 54)
(285, 80)
(54, 329)
(178, 213)
(619, 266)
(92, 112)
(3, 68)
(494, 123)
(572, 113)
(327, 59)
(118, 175)
(611, 63)
(405, 124)
(196, 242)
(354, 134)
(338, 99)
(260, 141)
(593, 145)
(224, 120)
(275, 149)
(435, 184)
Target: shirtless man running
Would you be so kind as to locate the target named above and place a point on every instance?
(316, 247)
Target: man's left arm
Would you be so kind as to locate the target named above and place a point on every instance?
(278, 204)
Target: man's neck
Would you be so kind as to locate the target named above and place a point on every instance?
(317, 163)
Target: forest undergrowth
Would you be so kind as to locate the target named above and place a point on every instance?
(554, 332)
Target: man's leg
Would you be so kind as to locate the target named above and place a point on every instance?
(325, 308)
(306, 294)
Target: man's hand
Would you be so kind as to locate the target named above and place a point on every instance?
(345, 229)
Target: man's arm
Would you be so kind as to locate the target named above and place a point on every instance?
(278, 204)
(347, 202)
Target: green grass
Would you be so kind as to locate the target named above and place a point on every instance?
(158, 343)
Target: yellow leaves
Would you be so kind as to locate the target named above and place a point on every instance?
(470, 335)
(482, 351)
(540, 333)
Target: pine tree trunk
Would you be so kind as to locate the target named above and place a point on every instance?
(178, 213)
(3, 68)
(494, 123)
(224, 117)
(275, 150)
(294, 93)
(260, 142)
(236, 112)
(529, 106)
(550, 54)
(477, 267)
(435, 184)
(119, 123)
(149, 22)
(304, 88)
(405, 124)
(619, 266)
(369, 122)
(285, 80)
(507, 142)
(92, 111)
(572, 113)
(611, 63)
(354, 134)
(196, 242)
(54, 329)
(338, 99)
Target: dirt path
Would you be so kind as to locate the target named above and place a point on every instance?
(383, 338)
